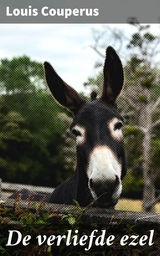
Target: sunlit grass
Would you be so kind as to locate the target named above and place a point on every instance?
(132, 205)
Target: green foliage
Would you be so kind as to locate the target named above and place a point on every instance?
(133, 64)
(14, 128)
(142, 99)
(155, 154)
(133, 184)
(31, 132)
(20, 75)
(16, 148)
(95, 83)
(132, 137)
(148, 83)
(141, 38)
(34, 219)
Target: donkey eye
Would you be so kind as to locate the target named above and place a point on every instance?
(118, 126)
(80, 133)
(76, 132)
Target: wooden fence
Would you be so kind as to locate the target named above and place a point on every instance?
(6, 189)
(93, 215)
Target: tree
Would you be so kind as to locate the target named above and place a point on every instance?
(14, 137)
(20, 75)
(145, 104)
(140, 102)
(32, 138)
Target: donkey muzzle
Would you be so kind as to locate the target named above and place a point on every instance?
(104, 176)
(105, 192)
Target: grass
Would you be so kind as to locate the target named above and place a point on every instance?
(132, 205)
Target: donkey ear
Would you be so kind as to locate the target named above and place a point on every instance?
(113, 76)
(61, 91)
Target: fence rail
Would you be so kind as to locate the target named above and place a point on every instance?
(94, 215)
(6, 188)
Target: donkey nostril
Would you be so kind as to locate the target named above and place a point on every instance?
(106, 187)
(116, 181)
(95, 185)
(91, 183)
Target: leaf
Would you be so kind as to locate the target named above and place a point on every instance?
(71, 220)
(3, 251)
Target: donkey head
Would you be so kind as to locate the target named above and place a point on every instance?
(98, 129)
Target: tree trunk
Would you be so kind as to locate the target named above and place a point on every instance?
(148, 193)
(149, 186)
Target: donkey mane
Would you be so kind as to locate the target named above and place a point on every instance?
(93, 95)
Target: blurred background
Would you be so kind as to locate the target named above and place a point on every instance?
(36, 146)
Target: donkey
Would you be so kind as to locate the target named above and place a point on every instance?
(97, 126)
